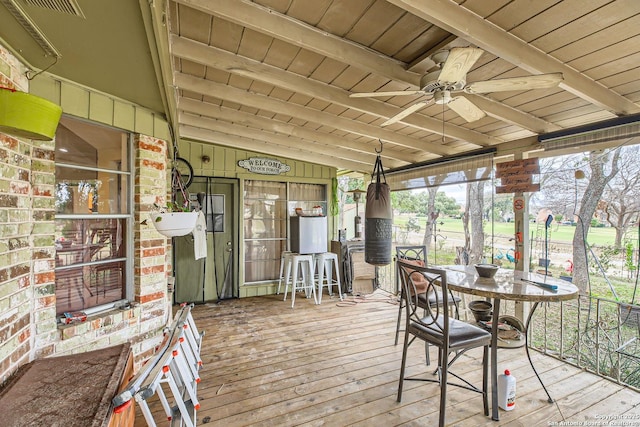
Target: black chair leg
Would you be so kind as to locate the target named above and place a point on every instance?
(399, 317)
(485, 379)
(426, 351)
(403, 365)
(444, 371)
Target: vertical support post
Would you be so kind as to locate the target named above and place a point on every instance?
(521, 241)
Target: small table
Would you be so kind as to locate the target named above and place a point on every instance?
(508, 285)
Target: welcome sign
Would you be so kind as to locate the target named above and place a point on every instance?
(264, 166)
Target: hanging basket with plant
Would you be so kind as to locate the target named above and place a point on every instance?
(173, 221)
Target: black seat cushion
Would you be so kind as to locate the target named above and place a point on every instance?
(433, 300)
(461, 334)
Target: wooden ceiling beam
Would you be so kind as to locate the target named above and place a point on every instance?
(221, 59)
(231, 94)
(204, 134)
(309, 149)
(282, 27)
(455, 19)
(325, 142)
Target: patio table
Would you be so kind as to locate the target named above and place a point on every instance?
(508, 285)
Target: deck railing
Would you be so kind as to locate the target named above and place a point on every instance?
(596, 334)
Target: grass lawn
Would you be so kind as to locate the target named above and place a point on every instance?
(600, 236)
(560, 234)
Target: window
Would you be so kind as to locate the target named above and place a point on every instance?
(93, 215)
(267, 207)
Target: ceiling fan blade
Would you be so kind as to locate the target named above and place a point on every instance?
(458, 63)
(541, 81)
(466, 109)
(396, 93)
(404, 113)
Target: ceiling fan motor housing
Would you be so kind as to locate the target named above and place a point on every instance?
(429, 83)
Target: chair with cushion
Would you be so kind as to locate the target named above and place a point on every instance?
(434, 325)
(417, 255)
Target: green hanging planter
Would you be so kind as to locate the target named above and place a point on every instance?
(28, 116)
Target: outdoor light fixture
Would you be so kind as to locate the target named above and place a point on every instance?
(357, 221)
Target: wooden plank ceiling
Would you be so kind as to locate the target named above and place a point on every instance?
(275, 75)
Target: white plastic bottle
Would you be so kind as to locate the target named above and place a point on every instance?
(506, 391)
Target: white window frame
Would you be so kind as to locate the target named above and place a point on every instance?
(129, 222)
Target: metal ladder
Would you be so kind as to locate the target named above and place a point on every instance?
(172, 375)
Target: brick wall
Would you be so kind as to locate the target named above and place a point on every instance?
(21, 299)
(152, 257)
(28, 327)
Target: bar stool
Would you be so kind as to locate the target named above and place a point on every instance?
(285, 259)
(300, 264)
(325, 262)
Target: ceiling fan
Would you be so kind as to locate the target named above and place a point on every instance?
(450, 78)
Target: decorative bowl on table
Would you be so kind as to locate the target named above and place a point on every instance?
(481, 310)
(486, 270)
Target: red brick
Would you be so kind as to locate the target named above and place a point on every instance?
(150, 147)
(152, 270)
(150, 297)
(152, 252)
(153, 165)
(48, 277)
(48, 301)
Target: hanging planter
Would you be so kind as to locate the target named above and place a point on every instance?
(173, 224)
(28, 116)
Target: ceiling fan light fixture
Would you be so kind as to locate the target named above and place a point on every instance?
(442, 97)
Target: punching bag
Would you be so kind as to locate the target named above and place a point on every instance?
(378, 219)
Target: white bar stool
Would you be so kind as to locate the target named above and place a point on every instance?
(285, 259)
(325, 262)
(300, 264)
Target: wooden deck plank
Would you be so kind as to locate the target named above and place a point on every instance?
(266, 364)
(608, 401)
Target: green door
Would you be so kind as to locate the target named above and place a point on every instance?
(216, 276)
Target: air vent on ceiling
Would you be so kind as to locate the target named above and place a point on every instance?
(65, 6)
(30, 26)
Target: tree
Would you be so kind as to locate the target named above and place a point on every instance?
(622, 194)
(475, 203)
(502, 206)
(402, 201)
(431, 217)
(472, 224)
(446, 205)
(557, 182)
(600, 162)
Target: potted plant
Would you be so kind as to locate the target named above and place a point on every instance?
(173, 220)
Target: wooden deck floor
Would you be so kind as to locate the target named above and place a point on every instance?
(266, 364)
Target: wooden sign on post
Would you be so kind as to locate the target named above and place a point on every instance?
(517, 176)
(517, 167)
